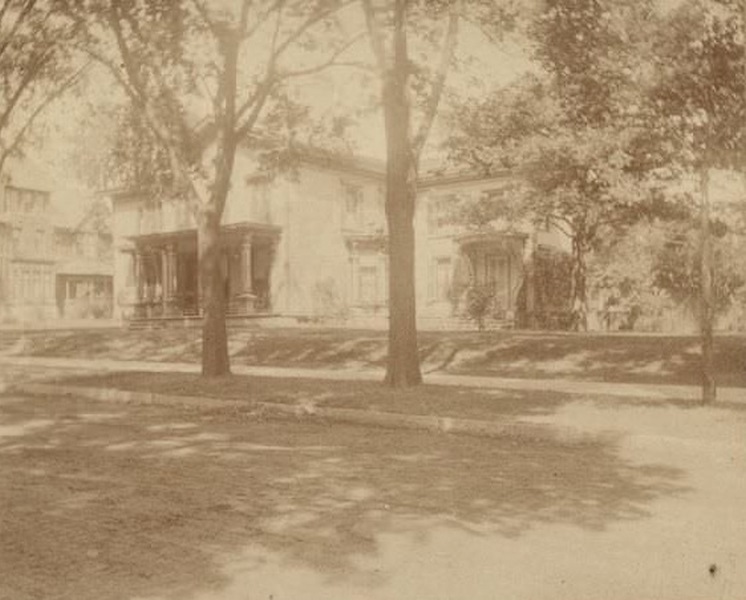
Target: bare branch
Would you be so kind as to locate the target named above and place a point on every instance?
(376, 36)
(29, 76)
(243, 19)
(202, 12)
(330, 61)
(258, 100)
(255, 102)
(249, 31)
(446, 56)
(307, 24)
(48, 99)
(17, 24)
(4, 9)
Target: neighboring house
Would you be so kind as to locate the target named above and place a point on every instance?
(313, 246)
(85, 265)
(44, 251)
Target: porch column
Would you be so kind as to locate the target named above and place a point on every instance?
(246, 295)
(355, 266)
(169, 279)
(139, 308)
(246, 267)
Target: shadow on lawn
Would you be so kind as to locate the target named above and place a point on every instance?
(632, 358)
(115, 503)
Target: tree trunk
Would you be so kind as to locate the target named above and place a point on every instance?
(707, 303)
(403, 365)
(530, 283)
(578, 295)
(215, 361)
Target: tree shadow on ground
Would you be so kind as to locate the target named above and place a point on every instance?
(117, 502)
(615, 358)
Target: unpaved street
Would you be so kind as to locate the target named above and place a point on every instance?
(114, 502)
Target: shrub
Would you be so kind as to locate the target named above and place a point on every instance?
(479, 300)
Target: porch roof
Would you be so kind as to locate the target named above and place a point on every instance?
(490, 236)
(243, 227)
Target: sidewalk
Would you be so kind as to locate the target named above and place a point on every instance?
(626, 390)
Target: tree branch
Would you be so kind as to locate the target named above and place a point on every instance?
(51, 97)
(331, 61)
(28, 78)
(10, 35)
(431, 108)
(376, 36)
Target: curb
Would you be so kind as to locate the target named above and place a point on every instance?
(447, 425)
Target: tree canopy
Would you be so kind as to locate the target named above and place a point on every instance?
(36, 66)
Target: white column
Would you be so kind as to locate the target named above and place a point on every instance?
(246, 266)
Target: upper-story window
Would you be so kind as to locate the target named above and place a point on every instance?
(440, 282)
(353, 202)
(22, 200)
(260, 199)
(439, 213)
(150, 216)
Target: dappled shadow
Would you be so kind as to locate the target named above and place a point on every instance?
(114, 503)
(177, 345)
(614, 358)
(590, 357)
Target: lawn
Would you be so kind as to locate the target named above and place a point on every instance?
(588, 357)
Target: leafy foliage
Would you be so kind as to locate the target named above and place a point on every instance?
(700, 91)
(36, 66)
(571, 133)
(677, 268)
(552, 273)
(479, 301)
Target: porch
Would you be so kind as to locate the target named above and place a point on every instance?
(493, 262)
(163, 278)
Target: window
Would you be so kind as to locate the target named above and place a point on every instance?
(12, 199)
(438, 213)
(441, 279)
(260, 201)
(368, 285)
(353, 202)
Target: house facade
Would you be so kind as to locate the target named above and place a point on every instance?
(312, 246)
(44, 258)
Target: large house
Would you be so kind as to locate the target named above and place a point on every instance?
(312, 245)
(54, 261)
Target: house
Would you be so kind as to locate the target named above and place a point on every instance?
(312, 246)
(85, 264)
(44, 248)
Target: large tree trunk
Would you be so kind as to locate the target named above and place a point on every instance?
(215, 361)
(578, 288)
(707, 301)
(403, 365)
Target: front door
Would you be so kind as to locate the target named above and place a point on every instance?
(497, 278)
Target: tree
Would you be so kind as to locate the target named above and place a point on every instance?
(571, 131)
(700, 99)
(36, 66)
(411, 92)
(205, 78)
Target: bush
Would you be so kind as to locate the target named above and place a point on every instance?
(479, 300)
